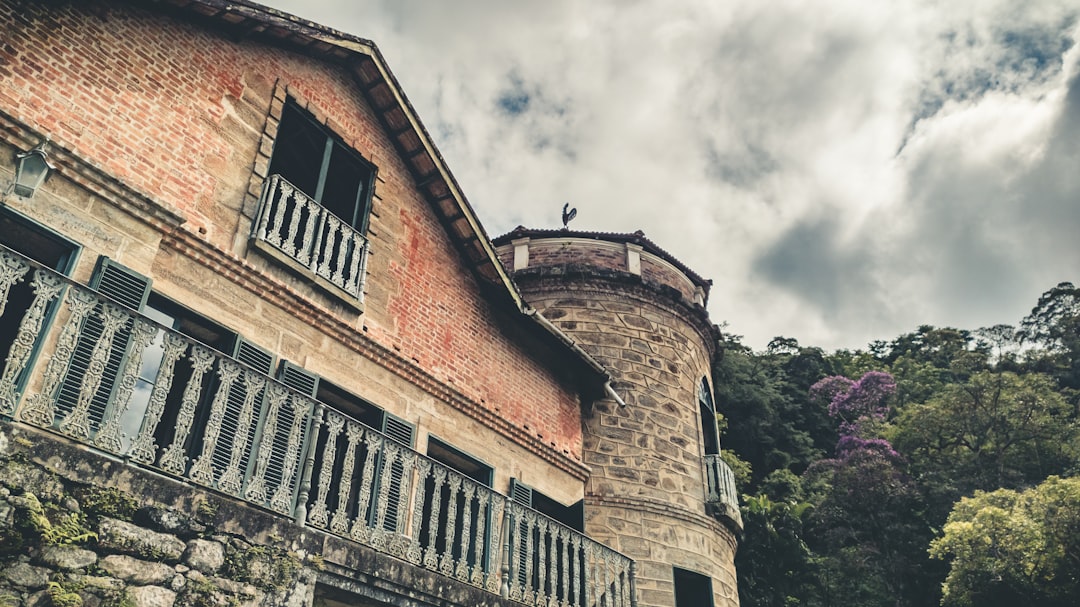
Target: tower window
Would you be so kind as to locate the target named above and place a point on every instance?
(692, 589)
(710, 436)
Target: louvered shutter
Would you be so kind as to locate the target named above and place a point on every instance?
(404, 433)
(261, 362)
(128, 288)
(306, 383)
(522, 494)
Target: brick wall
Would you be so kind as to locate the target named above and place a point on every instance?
(178, 113)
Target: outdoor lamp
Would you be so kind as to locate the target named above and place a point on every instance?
(31, 170)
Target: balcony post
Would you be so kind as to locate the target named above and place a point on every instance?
(504, 588)
(300, 513)
(633, 584)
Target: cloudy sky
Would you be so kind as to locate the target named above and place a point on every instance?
(843, 170)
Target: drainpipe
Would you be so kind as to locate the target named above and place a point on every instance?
(611, 392)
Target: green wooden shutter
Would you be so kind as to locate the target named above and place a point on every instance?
(299, 379)
(399, 429)
(121, 285)
(522, 494)
(307, 383)
(262, 362)
(404, 433)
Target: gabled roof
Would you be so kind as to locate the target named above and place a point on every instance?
(637, 238)
(361, 58)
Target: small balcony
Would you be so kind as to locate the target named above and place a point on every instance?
(722, 499)
(88, 368)
(305, 236)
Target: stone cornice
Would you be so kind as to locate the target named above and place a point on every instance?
(666, 510)
(588, 281)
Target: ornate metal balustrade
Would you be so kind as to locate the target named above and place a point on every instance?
(184, 409)
(551, 564)
(369, 488)
(148, 393)
(300, 228)
(721, 483)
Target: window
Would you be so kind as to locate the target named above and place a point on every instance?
(692, 589)
(545, 548)
(317, 163)
(20, 235)
(44, 246)
(374, 417)
(189, 323)
(710, 436)
(572, 516)
(316, 202)
(450, 540)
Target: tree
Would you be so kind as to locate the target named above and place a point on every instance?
(776, 568)
(763, 396)
(868, 522)
(1010, 548)
(994, 430)
(1054, 326)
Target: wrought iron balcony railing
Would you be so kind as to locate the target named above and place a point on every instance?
(163, 401)
(721, 486)
(305, 232)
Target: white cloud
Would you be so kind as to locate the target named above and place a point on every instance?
(844, 170)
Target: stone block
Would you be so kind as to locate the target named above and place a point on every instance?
(151, 596)
(68, 557)
(136, 571)
(126, 538)
(204, 555)
(169, 521)
(25, 575)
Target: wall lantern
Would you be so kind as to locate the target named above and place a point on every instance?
(31, 170)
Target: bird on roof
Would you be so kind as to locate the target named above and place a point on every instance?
(568, 215)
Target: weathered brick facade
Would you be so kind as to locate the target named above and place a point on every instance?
(180, 114)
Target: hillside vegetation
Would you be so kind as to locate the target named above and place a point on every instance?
(942, 467)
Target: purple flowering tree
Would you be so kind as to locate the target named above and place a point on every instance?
(855, 403)
(866, 520)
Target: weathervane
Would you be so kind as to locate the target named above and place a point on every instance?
(568, 215)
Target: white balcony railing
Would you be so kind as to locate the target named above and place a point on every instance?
(183, 409)
(721, 483)
(305, 232)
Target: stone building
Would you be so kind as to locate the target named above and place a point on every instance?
(256, 347)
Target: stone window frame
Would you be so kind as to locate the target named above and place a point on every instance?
(698, 585)
(282, 95)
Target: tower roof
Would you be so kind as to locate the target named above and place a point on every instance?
(638, 238)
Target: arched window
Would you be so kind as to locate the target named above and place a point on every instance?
(710, 436)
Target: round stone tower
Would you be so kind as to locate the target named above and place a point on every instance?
(658, 491)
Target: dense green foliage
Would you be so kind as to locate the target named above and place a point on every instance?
(1010, 548)
(942, 467)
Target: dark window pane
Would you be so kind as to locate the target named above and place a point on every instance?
(342, 191)
(692, 589)
(298, 150)
(34, 242)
